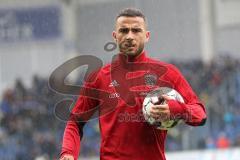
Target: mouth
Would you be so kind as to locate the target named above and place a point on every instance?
(129, 45)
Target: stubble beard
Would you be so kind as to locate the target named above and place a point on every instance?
(128, 52)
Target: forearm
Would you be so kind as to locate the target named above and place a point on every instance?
(193, 113)
(71, 140)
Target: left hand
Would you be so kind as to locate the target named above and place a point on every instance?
(161, 112)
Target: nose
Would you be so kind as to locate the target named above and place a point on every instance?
(130, 36)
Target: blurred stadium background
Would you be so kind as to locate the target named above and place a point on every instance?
(201, 37)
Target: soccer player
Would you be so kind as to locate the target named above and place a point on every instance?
(117, 91)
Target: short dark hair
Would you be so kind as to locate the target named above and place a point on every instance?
(131, 12)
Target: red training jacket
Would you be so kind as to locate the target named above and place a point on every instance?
(116, 92)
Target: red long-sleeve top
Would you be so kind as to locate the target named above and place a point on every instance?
(116, 93)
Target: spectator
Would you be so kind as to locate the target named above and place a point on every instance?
(223, 141)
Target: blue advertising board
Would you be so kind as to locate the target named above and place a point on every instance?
(29, 24)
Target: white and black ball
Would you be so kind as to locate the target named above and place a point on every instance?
(155, 98)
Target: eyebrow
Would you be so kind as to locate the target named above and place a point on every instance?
(135, 27)
(138, 28)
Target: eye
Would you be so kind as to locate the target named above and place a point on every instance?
(123, 30)
(136, 30)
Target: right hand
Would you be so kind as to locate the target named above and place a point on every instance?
(67, 157)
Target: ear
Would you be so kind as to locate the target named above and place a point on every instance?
(147, 36)
(114, 35)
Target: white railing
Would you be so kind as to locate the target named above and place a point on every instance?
(214, 154)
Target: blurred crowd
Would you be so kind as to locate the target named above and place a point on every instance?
(30, 130)
(218, 85)
(28, 127)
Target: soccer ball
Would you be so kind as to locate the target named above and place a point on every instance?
(155, 97)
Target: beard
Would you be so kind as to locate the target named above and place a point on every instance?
(131, 49)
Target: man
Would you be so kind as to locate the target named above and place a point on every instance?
(118, 92)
